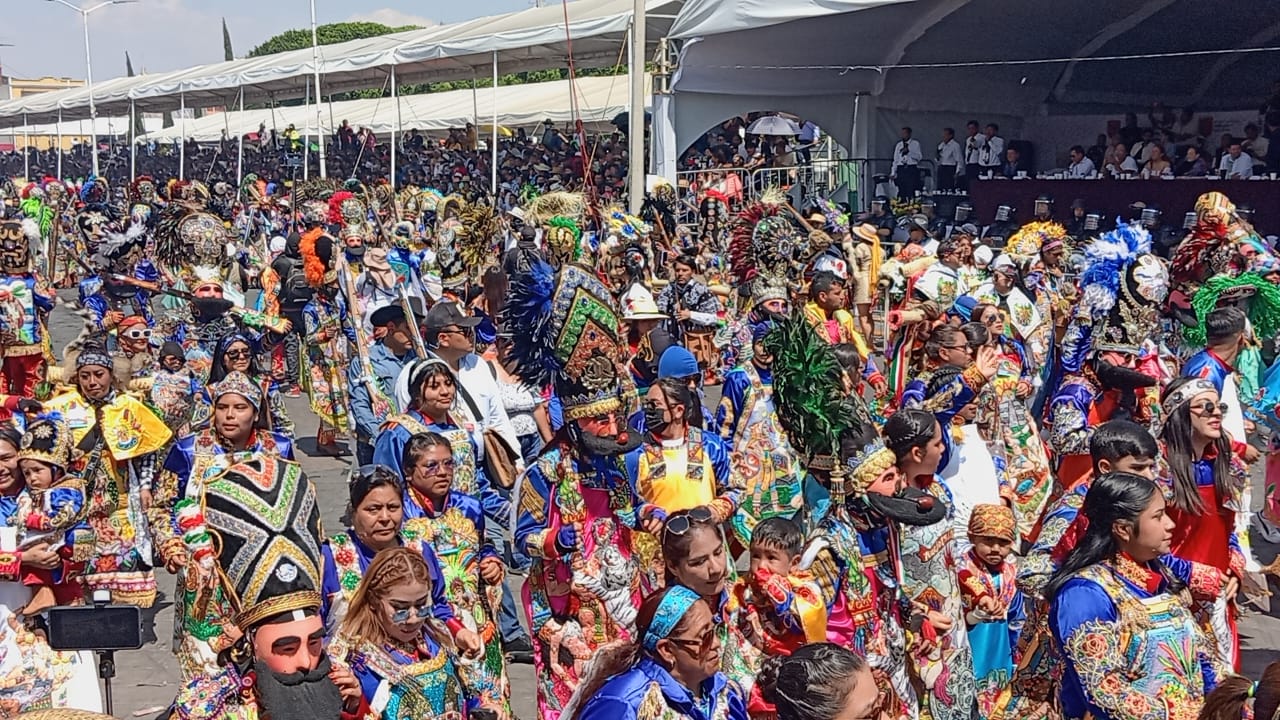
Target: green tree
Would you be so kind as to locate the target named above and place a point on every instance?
(325, 35)
(227, 53)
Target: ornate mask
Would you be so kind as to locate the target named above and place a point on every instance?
(205, 235)
(15, 251)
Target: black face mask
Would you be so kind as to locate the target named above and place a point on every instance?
(655, 419)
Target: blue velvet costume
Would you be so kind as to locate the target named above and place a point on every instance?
(630, 695)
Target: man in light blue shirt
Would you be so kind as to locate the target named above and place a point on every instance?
(387, 357)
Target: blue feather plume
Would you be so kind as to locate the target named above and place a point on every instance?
(527, 316)
(1105, 260)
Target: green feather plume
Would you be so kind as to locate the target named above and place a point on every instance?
(1263, 308)
(807, 389)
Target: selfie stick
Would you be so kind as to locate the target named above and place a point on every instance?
(106, 658)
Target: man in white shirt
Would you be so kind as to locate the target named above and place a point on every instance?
(906, 165)
(1081, 166)
(992, 154)
(950, 158)
(1236, 164)
(973, 145)
(1141, 150)
(450, 335)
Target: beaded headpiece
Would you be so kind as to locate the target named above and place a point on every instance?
(237, 383)
(671, 608)
(1183, 394)
(47, 439)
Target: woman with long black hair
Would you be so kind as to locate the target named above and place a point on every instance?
(1132, 648)
(1208, 481)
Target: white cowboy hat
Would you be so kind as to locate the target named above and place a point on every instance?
(638, 304)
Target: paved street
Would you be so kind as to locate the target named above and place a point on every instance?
(147, 678)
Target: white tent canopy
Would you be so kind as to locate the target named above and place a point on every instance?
(991, 58)
(106, 127)
(599, 100)
(532, 39)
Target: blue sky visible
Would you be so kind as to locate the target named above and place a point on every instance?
(165, 35)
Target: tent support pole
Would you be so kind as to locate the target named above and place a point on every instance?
(240, 144)
(133, 141)
(475, 100)
(315, 66)
(182, 144)
(635, 117)
(306, 140)
(26, 149)
(493, 140)
(59, 143)
(395, 98)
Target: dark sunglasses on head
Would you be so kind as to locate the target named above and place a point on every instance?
(681, 522)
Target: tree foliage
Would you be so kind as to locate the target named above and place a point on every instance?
(325, 35)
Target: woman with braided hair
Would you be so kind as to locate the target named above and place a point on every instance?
(389, 651)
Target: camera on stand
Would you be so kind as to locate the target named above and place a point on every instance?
(101, 628)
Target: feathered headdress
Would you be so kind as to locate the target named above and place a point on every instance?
(812, 403)
(1259, 298)
(1122, 288)
(762, 242)
(316, 248)
(565, 332)
(335, 206)
(94, 190)
(1028, 241)
(543, 208)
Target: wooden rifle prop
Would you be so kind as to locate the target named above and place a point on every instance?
(378, 402)
(275, 324)
(419, 346)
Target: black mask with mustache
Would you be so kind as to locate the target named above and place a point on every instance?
(298, 696)
(597, 446)
(1118, 377)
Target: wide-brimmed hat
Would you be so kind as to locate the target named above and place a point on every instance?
(638, 304)
(866, 231)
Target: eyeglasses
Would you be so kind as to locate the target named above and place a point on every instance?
(138, 333)
(681, 522)
(433, 467)
(464, 332)
(1209, 408)
(955, 347)
(416, 612)
(238, 355)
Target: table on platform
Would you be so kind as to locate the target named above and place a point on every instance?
(1111, 198)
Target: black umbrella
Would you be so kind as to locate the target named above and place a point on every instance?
(623, 120)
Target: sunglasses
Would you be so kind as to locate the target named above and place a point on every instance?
(1209, 408)
(700, 644)
(433, 467)
(680, 523)
(239, 355)
(417, 612)
(138, 333)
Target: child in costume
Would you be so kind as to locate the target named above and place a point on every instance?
(783, 604)
(993, 608)
(56, 512)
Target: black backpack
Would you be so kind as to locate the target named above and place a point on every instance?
(294, 290)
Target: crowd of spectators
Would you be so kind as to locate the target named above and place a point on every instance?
(546, 159)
